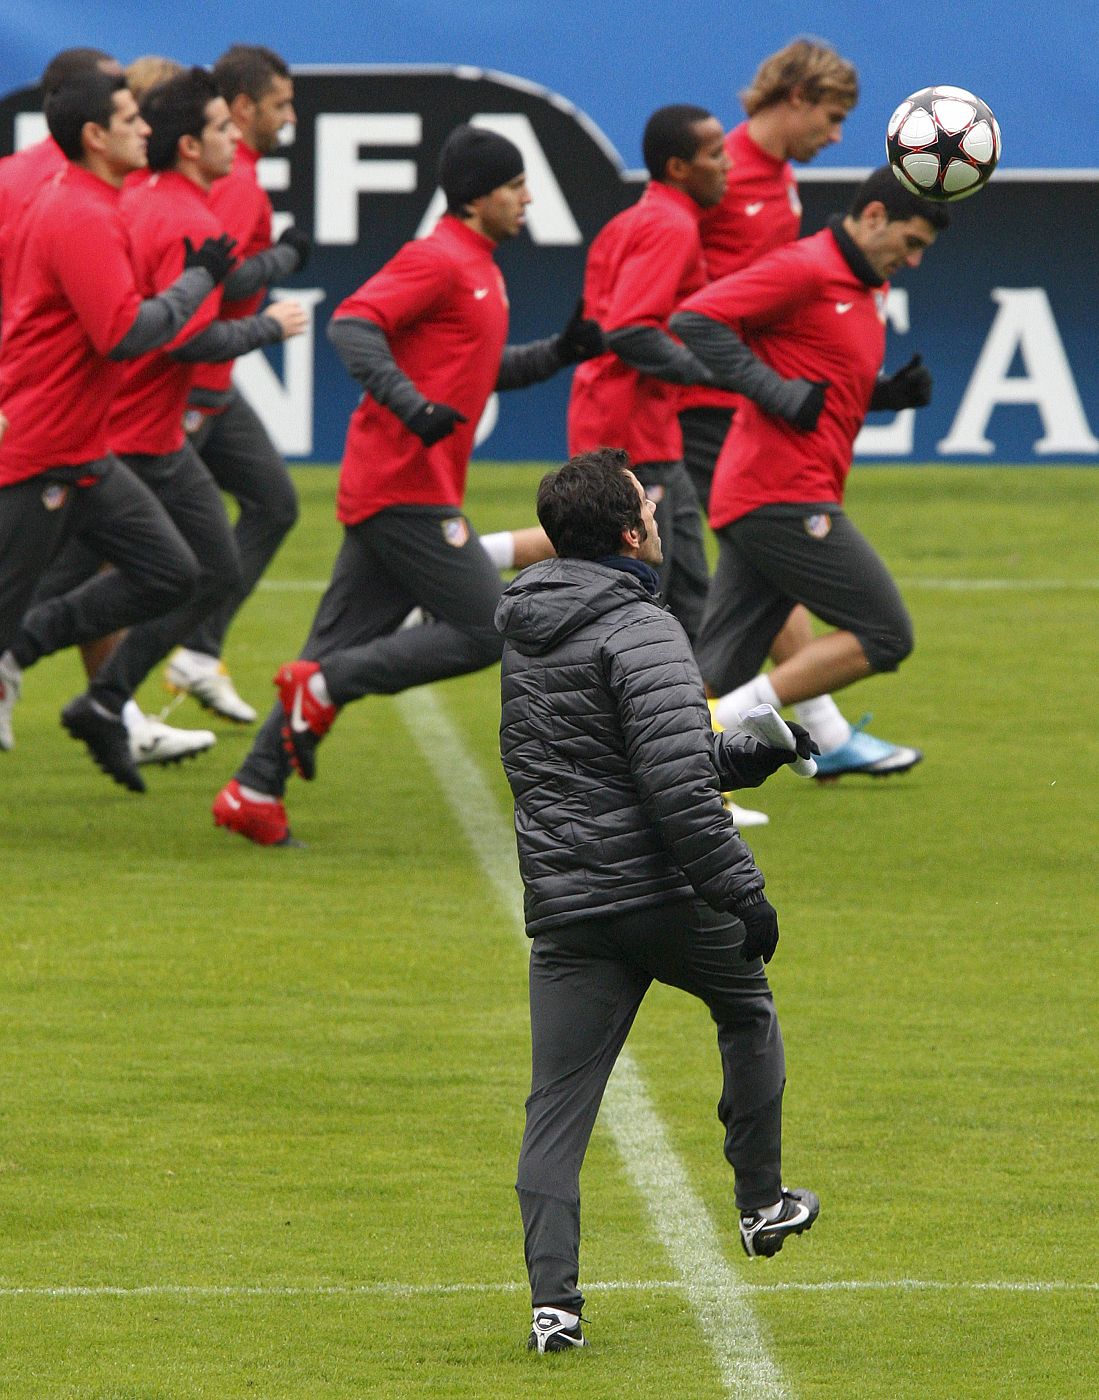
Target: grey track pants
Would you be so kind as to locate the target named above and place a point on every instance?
(240, 456)
(587, 981)
(53, 536)
(406, 556)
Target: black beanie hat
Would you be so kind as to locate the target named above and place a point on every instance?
(474, 162)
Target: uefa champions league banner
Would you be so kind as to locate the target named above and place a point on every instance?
(1001, 309)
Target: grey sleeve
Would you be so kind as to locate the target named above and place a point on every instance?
(652, 351)
(160, 319)
(528, 364)
(735, 367)
(225, 340)
(260, 271)
(363, 348)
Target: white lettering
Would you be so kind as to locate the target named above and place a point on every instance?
(285, 405)
(30, 128)
(894, 439)
(1024, 325)
(549, 218)
(342, 174)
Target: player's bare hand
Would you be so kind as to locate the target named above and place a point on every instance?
(3, 424)
(291, 316)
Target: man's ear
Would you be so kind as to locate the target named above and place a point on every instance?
(93, 136)
(242, 109)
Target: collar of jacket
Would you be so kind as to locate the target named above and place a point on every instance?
(650, 579)
(853, 255)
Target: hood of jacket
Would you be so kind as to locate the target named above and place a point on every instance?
(549, 601)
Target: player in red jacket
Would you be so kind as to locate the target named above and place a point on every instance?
(801, 335)
(73, 318)
(426, 338)
(796, 105)
(191, 143)
(223, 428)
(640, 266)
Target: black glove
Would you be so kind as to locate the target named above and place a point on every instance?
(760, 921)
(805, 746)
(434, 422)
(215, 256)
(910, 387)
(582, 339)
(301, 243)
(805, 419)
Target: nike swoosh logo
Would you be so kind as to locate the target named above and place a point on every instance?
(842, 307)
(481, 293)
(297, 724)
(233, 802)
(753, 209)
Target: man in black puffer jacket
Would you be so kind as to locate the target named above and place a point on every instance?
(631, 865)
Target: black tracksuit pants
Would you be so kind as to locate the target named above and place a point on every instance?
(587, 980)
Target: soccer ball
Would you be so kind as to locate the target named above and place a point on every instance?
(943, 143)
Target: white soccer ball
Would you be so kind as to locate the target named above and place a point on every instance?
(943, 143)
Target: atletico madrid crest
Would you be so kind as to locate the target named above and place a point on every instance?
(817, 527)
(55, 496)
(455, 531)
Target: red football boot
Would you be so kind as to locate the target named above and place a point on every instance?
(262, 822)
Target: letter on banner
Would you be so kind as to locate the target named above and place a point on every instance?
(1025, 325)
(343, 175)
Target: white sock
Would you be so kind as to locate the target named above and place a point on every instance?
(500, 548)
(822, 717)
(570, 1319)
(317, 688)
(131, 714)
(729, 708)
(769, 1212)
(254, 796)
(9, 664)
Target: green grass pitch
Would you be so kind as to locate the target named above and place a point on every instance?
(260, 1109)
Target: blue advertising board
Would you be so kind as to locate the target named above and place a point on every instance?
(1000, 309)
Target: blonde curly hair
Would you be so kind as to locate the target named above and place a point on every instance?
(807, 66)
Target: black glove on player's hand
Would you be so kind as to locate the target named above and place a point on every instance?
(760, 928)
(582, 338)
(434, 422)
(215, 256)
(910, 387)
(300, 241)
(808, 411)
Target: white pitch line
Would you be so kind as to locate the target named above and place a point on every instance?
(432, 1290)
(682, 1223)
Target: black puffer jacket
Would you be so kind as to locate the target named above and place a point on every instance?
(606, 740)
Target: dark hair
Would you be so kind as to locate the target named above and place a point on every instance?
(87, 98)
(63, 67)
(585, 505)
(175, 108)
(670, 131)
(248, 69)
(883, 187)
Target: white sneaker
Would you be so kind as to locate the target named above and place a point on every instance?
(744, 816)
(11, 687)
(205, 677)
(153, 741)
